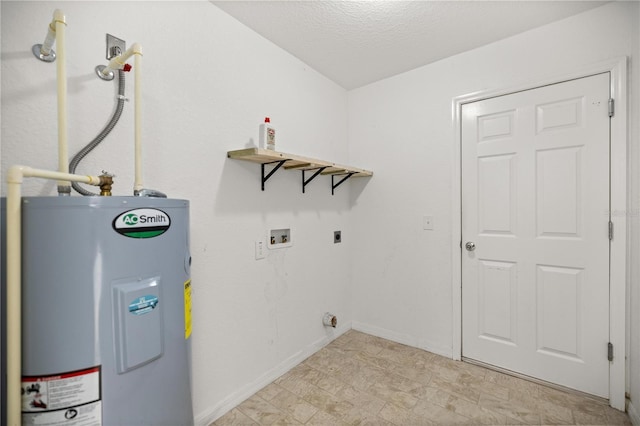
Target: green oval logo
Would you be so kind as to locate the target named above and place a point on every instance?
(142, 223)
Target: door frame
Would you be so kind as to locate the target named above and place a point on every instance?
(618, 266)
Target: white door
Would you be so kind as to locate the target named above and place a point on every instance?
(535, 202)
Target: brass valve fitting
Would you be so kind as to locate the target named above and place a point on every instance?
(106, 181)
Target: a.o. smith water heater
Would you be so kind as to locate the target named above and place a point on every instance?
(106, 311)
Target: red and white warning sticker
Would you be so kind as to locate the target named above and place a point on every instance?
(72, 399)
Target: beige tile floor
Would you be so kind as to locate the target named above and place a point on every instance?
(359, 379)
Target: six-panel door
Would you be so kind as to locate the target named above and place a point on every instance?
(535, 202)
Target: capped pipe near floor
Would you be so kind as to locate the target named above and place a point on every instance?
(330, 320)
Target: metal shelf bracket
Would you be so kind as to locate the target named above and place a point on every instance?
(335, 185)
(306, 182)
(266, 178)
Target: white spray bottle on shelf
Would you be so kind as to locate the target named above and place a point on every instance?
(267, 135)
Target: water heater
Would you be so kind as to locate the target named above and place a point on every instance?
(106, 311)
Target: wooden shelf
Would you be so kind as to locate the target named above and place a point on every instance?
(297, 162)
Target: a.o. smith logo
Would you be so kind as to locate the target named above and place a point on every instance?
(142, 223)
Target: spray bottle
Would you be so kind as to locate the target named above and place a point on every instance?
(267, 135)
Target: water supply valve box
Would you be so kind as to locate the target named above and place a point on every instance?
(279, 238)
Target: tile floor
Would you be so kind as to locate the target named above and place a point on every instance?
(359, 379)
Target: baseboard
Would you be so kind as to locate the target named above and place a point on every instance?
(404, 339)
(221, 408)
(633, 414)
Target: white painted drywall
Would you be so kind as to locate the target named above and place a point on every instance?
(401, 128)
(208, 82)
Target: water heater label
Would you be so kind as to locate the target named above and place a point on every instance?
(142, 223)
(72, 398)
(143, 305)
(187, 309)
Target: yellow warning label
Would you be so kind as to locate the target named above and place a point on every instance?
(187, 309)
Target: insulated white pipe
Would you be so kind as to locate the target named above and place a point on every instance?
(14, 280)
(118, 62)
(137, 69)
(45, 48)
(64, 187)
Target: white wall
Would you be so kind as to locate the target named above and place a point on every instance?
(208, 82)
(402, 128)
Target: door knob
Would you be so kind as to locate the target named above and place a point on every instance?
(470, 246)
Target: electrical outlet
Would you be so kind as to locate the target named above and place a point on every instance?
(427, 223)
(337, 237)
(260, 254)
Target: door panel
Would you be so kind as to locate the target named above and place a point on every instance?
(497, 311)
(535, 201)
(497, 201)
(558, 192)
(558, 300)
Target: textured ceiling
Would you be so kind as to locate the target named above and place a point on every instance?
(358, 42)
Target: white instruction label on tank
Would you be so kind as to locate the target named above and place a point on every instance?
(72, 398)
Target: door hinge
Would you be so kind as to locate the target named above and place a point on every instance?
(610, 351)
(610, 230)
(612, 107)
